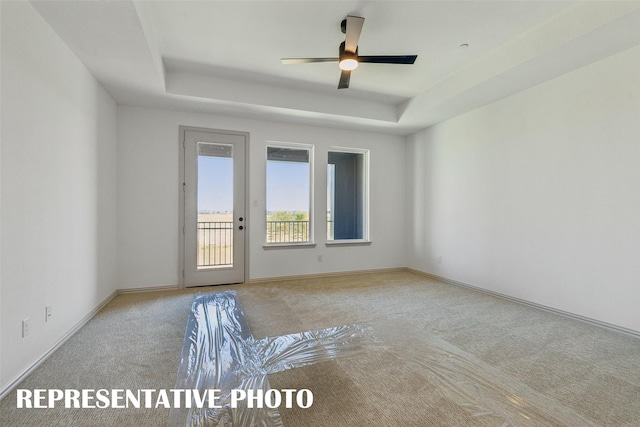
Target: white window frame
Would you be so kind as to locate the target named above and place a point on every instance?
(366, 240)
(295, 146)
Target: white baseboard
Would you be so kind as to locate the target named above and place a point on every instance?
(574, 316)
(321, 275)
(150, 289)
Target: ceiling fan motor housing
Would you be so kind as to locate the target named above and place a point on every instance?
(343, 52)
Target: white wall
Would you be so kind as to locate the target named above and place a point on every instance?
(58, 197)
(148, 197)
(537, 196)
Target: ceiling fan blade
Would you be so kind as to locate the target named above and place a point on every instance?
(354, 27)
(306, 60)
(345, 75)
(389, 59)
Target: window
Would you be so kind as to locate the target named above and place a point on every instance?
(347, 194)
(289, 194)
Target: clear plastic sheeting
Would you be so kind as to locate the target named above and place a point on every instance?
(220, 353)
(277, 354)
(488, 394)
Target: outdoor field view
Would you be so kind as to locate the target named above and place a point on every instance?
(288, 195)
(215, 211)
(288, 199)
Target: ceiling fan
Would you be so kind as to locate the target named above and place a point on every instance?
(348, 59)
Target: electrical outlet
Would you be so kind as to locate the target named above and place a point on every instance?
(25, 327)
(319, 258)
(439, 259)
(47, 313)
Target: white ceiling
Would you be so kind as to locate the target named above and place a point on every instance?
(224, 56)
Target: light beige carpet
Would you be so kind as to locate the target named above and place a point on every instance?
(447, 356)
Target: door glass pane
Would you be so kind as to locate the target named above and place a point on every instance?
(215, 205)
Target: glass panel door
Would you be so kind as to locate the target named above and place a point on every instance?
(214, 205)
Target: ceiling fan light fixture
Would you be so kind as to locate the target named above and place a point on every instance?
(348, 58)
(348, 64)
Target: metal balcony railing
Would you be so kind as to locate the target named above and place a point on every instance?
(215, 239)
(287, 231)
(215, 244)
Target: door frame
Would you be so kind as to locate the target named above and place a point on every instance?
(182, 206)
